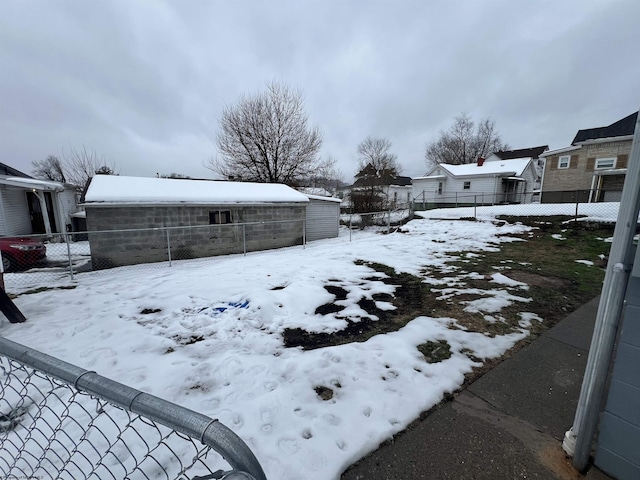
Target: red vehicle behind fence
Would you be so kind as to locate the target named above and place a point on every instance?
(21, 253)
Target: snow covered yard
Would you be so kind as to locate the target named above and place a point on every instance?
(208, 335)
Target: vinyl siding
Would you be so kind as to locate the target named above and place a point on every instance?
(16, 212)
(67, 206)
(323, 218)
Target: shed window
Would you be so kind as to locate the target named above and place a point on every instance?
(467, 185)
(439, 187)
(219, 217)
(605, 163)
(563, 161)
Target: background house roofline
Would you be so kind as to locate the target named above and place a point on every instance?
(621, 128)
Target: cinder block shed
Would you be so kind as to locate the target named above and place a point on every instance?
(134, 220)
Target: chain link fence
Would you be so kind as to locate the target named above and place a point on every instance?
(578, 205)
(35, 262)
(388, 218)
(60, 421)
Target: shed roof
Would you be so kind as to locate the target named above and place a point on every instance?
(116, 189)
(323, 198)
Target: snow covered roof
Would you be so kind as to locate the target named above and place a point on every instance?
(323, 197)
(31, 183)
(503, 168)
(116, 189)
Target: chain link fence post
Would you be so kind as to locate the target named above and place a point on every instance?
(244, 240)
(169, 247)
(67, 239)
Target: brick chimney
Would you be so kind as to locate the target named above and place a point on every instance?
(480, 161)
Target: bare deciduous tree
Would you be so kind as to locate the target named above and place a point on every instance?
(378, 167)
(75, 168)
(82, 164)
(464, 142)
(266, 138)
(51, 168)
(374, 153)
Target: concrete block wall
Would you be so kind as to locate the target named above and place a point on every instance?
(124, 235)
(579, 175)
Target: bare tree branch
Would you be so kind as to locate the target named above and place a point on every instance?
(51, 168)
(378, 167)
(464, 143)
(266, 138)
(81, 165)
(373, 154)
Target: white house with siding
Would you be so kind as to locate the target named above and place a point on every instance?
(31, 206)
(482, 182)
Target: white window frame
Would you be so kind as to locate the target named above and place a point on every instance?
(466, 185)
(611, 163)
(562, 159)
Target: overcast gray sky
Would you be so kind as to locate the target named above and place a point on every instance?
(143, 83)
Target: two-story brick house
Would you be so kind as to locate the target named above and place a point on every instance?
(593, 168)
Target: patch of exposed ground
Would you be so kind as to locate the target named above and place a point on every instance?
(44, 289)
(435, 352)
(557, 286)
(410, 293)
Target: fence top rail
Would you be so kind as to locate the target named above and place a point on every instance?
(208, 431)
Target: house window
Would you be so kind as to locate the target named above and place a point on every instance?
(439, 188)
(408, 197)
(563, 161)
(605, 163)
(467, 185)
(219, 217)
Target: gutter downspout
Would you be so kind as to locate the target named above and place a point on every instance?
(578, 440)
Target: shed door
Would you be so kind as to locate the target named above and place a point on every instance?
(322, 219)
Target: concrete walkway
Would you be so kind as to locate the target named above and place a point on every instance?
(507, 424)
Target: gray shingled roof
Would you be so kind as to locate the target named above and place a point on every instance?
(12, 172)
(621, 128)
(533, 152)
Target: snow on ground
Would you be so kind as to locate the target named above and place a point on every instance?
(585, 262)
(206, 334)
(603, 212)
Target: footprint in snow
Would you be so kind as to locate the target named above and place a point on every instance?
(288, 446)
(332, 419)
